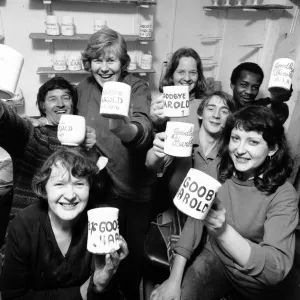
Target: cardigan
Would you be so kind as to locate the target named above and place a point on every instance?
(34, 267)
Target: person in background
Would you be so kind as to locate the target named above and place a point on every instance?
(245, 82)
(124, 142)
(251, 225)
(46, 255)
(184, 68)
(30, 146)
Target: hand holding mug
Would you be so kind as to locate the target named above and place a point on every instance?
(90, 137)
(280, 98)
(159, 144)
(157, 110)
(215, 220)
(104, 270)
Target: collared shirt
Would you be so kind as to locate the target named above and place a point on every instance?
(207, 164)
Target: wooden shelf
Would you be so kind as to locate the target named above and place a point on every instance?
(136, 2)
(82, 37)
(51, 71)
(248, 7)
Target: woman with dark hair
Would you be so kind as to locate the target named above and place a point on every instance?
(124, 142)
(46, 255)
(251, 225)
(184, 68)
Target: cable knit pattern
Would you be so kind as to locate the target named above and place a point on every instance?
(29, 147)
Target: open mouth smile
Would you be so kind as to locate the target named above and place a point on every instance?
(69, 205)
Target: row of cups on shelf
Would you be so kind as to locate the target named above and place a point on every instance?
(236, 2)
(73, 62)
(67, 26)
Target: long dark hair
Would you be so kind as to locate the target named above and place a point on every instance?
(274, 171)
(200, 87)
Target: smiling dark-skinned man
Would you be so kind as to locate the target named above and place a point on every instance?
(245, 82)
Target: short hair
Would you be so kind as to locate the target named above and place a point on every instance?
(246, 66)
(260, 119)
(230, 103)
(75, 163)
(55, 83)
(104, 40)
(172, 65)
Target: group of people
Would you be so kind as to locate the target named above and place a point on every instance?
(243, 248)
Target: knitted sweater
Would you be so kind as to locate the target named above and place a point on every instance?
(29, 147)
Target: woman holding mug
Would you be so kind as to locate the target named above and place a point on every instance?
(184, 68)
(124, 142)
(251, 225)
(46, 255)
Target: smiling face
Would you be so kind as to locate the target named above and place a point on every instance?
(186, 73)
(246, 88)
(57, 102)
(214, 115)
(248, 151)
(106, 68)
(67, 196)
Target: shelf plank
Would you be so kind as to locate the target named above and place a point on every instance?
(82, 37)
(50, 70)
(137, 2)
(246, 7)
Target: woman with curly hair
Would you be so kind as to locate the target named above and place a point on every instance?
(251, 243)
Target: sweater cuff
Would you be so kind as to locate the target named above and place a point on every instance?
(183, 252)
(138, 136)
(256, 261)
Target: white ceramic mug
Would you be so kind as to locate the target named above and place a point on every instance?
(146, 29)
(74, 62)
(67, 26)
(196, 194)
(179, 139)
(146, 61)
(115, 100)
(133, 64)
(71, 130)
(99, 24)
(281, 76)
(52, 27)
(11, 63)
(103, 230)
(176, 101)
(59, 62)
